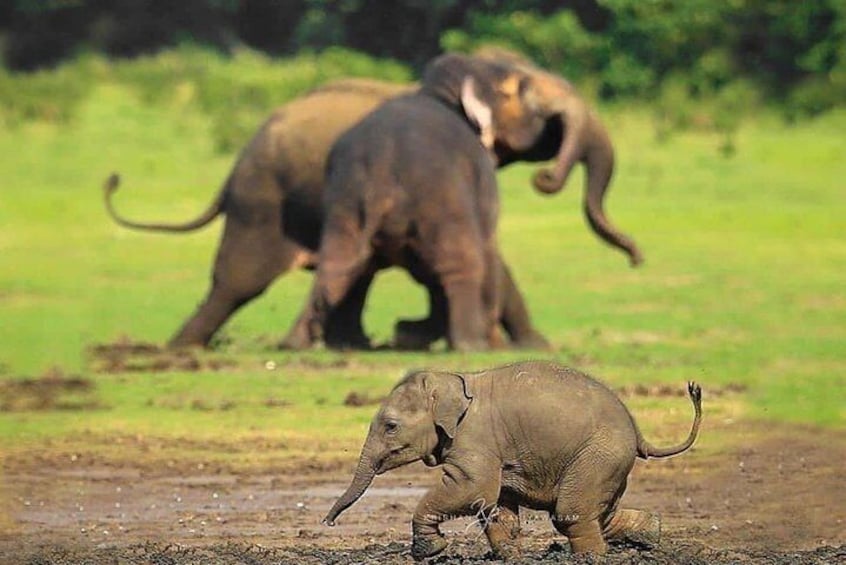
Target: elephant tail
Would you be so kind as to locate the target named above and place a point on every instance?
(111, 186)
(646, 450)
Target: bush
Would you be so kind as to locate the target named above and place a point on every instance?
(237, 91)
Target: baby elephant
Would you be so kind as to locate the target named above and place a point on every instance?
(533, 434)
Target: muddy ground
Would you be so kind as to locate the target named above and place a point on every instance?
(780, 500)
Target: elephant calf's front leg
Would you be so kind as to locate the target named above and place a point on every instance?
(451, 499)
(502, 528)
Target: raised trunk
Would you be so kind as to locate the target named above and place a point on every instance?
(584, 139)
(364, 473)
(600, 166)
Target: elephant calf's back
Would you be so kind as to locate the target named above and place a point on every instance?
(560, 403)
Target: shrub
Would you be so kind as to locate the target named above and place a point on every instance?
(237, 91)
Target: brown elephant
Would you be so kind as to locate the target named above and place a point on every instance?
(411, 185)
(534, 434)
(574, 134)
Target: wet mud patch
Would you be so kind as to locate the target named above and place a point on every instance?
(774, 498)
(53, 390)
(356, 399)
(128, 356)
(234, 553)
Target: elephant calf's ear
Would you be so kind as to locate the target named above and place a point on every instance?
(477, 112)
(448, 399)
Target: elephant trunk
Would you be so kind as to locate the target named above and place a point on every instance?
(551, 181)
(364, 473)
(600, 167)
(584, 139)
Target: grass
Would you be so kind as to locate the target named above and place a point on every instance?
(743, 285)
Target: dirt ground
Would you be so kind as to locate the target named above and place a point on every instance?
(780, 500)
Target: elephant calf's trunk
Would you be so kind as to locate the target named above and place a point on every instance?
(363, 477)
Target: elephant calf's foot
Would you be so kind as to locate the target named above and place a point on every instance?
(507, 552)
(428, 546)
(635, 527)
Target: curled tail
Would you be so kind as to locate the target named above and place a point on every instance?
(646, 449)
(111, 186)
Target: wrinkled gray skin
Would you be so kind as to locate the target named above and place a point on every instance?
(534, 434)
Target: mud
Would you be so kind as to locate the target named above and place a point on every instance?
(776, 500)
(128, 356)
(54, 390)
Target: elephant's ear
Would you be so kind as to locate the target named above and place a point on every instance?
(477, 111)
(448, 400)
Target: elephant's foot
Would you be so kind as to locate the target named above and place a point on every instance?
(298, 338)
(505, 552)
(585, 537)
(470, 345)
(531, 341)
(427, 546)
(348, 341)
(415, 335)
(635, 527)
(179, 342)
(503, 537)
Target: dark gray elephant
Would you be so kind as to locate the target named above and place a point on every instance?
(533, 434)
(573, 134)
(411, 185)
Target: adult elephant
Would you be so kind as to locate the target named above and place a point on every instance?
(272, 204)
(574, 134)
(271, 201)
(411, 185)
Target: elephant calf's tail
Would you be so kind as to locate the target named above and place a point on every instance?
(111, 186)
(646, 450)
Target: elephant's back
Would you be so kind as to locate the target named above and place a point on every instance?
(414, 128)
(566, 396)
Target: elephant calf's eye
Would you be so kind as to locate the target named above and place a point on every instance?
(391, 427)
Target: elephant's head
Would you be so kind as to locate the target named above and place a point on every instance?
(572, 133)
(497, 98)
(416, 421)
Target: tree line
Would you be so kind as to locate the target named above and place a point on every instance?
(793, 52)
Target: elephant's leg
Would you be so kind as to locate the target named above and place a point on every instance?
(514, 319)
(515, 316)
(451, 498)
(584, 536)
(492, 295)
(461, 267)
(344, 329)
(343, 259)
(249, 259)
(419, 335)
(633, 526)
(588, 493)
(502, 529)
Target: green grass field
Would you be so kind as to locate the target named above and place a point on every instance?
(744, 283)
